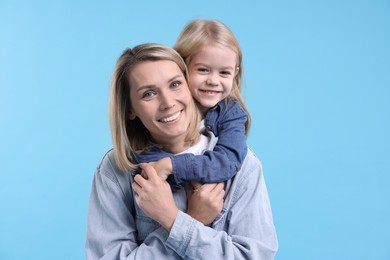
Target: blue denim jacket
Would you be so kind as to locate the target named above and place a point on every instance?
(227, 122)
(118, 229)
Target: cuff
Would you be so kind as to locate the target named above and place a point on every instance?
(181, 233)
(182, 167)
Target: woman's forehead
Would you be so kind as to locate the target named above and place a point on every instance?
(154, 72)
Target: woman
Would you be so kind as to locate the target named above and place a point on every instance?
(152, 108)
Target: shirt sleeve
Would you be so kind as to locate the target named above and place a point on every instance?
(225, 160)
(250, 232)
(111, 228)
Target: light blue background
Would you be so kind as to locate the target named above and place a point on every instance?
(317, 77)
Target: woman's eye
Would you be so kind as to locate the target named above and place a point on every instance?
(148, 94)
(175, 84)
(226, 73)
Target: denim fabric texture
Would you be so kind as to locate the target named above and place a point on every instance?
(118, 229)
(227, 122)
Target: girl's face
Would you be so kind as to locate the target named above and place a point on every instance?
(160, 98)
(211, 74)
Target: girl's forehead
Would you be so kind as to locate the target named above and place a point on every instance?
(216, 43)
(215, 53)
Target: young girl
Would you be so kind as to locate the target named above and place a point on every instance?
(214, 59)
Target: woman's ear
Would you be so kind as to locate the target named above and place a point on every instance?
(132, 116)
(237, 70)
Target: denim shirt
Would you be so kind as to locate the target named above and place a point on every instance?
(118, 229)
(225, 121)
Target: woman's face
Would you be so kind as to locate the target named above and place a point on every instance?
(160, 98)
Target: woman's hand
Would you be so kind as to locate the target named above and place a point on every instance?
(205, 202)
(154, 197)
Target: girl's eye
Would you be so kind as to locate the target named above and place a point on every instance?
(226, 73)
(203, 70)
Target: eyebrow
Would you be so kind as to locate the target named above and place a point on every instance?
(168, 81)
(176, 77)
(224, 68)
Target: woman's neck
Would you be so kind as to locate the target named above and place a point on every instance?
(174, 145)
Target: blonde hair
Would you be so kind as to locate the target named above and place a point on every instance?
(130, 136)
(199, 33)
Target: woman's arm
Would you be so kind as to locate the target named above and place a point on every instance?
(111, 227)
(244, 231)
(205, 201)
(155, 198)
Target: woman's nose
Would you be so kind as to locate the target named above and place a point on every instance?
(166, 102)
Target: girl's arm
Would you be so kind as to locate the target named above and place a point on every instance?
(222, 163)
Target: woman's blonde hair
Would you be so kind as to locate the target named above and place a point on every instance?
(130, 135)
(199, 33)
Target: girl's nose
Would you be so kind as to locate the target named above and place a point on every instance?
(212, 80)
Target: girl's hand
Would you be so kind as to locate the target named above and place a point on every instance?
(155, 197)
(205, 202)
(163, 167)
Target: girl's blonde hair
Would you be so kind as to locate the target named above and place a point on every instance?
(199, 33)
(130, 135)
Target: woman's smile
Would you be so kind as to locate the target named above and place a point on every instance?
(170, 118)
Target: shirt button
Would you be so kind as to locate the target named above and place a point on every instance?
(208, 127)
(238, 167)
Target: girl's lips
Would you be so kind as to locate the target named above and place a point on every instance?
(170, 118)
(210, 91)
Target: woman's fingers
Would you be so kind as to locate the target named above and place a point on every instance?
(149, 171)
(221, 194)
(136, 187)
(213, 192)
(212, 187)
(196, 185)
(218, 186)
(141, 181)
